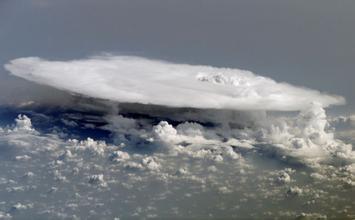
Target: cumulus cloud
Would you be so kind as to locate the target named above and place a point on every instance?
(140, 80)
(115, 180)
(190, 151)
(344, 127)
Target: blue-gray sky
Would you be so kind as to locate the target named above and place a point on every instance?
(307, 43)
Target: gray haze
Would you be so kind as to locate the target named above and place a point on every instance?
(307, 43)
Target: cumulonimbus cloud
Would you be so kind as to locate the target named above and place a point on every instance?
(140, 80)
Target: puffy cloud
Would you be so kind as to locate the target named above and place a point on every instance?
(18, 206)
(23, 123)
(307, 137)
(89, 145)
(344, 127)
(118, 156)
(4, 215)
(283, 177)
(140, 80)
(64, 178)
(166, 132)
(97, 179)
(150, 163)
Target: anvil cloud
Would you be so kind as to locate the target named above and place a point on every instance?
(141, 80)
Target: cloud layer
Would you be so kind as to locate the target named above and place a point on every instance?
(140, 80)
(46, 176)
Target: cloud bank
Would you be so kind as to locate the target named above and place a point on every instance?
(46, 176)
(139, 80)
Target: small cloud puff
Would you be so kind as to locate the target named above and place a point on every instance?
(23, 123)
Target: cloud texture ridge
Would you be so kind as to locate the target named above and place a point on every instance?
(132, 79)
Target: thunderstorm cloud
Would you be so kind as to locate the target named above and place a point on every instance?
(140, 80)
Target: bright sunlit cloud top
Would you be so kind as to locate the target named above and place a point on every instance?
(140, 80)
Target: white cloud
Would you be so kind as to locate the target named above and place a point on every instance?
(4, 215)
(111, 179)
(23, 123)
(165, 132)
(97, 179)
(344, 127)
(140, 80)
(307, 137)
